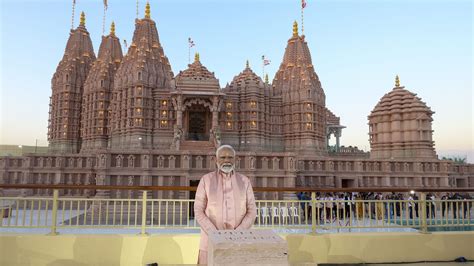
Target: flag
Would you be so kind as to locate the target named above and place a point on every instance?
(265, 60)
(303, 3)
(125, 43)
(190, 42)
(105, 4)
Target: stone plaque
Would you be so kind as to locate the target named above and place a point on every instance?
(247, 247)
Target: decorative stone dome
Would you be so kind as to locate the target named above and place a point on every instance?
(400, 126)
(247, 76)
(196, 71)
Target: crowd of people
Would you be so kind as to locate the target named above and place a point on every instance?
(376, 205)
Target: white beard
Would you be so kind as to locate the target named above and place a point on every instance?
(226, 168)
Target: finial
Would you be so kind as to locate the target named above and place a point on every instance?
(147, 10)
(196, 57)
(247, 65)
(83, 19)
(295, 29)
(397, 81)
(266, 78)
(112, 28)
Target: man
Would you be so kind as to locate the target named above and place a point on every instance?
(224, 200)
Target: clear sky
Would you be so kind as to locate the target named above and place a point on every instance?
(357, 48)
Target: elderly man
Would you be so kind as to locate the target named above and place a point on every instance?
(224, 200)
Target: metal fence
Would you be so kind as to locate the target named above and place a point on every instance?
(313, 215)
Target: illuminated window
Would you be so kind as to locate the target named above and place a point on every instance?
(101, 113)
(164, 113)
(254, 113)
(309, 125)
(253, 104)
(228, 105)
(163, 123)
(253, 124)
(309, 117)
(139, 101)
(164, 103)
(308, 106)
(229, 115)
(229, 125)
(65, 126)
(101, 103)
(139, 110)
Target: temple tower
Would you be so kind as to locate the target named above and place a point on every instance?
(67, 87)
(303, 99)
(400, 126)
(247, 109)
(97, 93)
(141, 87)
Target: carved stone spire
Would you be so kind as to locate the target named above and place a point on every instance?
(143, 78)
(304, 100)
(97, 93)
(67, 87)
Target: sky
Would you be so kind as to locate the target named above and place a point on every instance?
(357, 48)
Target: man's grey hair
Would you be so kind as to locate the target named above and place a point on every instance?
(224, 147)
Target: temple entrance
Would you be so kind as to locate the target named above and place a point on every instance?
(198, 123)
(347, 183)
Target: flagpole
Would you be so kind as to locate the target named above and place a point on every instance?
(137, 9)
(72, 17)
(189, 53)
(103, 21)
(302, 16)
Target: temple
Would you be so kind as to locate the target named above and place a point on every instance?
(129, 120)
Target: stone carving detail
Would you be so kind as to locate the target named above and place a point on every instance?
(161, 161)
(119, 161)
(177, 135)
(252, 162)
(264, 163)
(238, 160)
(199, 160)
(103, 160)
(145, 161)
(172, 161)
(276, 163)
(131, 161)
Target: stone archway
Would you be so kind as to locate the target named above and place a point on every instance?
(197, 120)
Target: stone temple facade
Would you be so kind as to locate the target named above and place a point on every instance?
(129, 120)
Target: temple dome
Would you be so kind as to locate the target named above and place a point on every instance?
(196, 71)
(400, 100)
(400, 126)
(247, 76)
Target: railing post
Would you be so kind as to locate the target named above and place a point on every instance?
(144, 206)
(424, 225)
(313, 212)
(55, 213)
